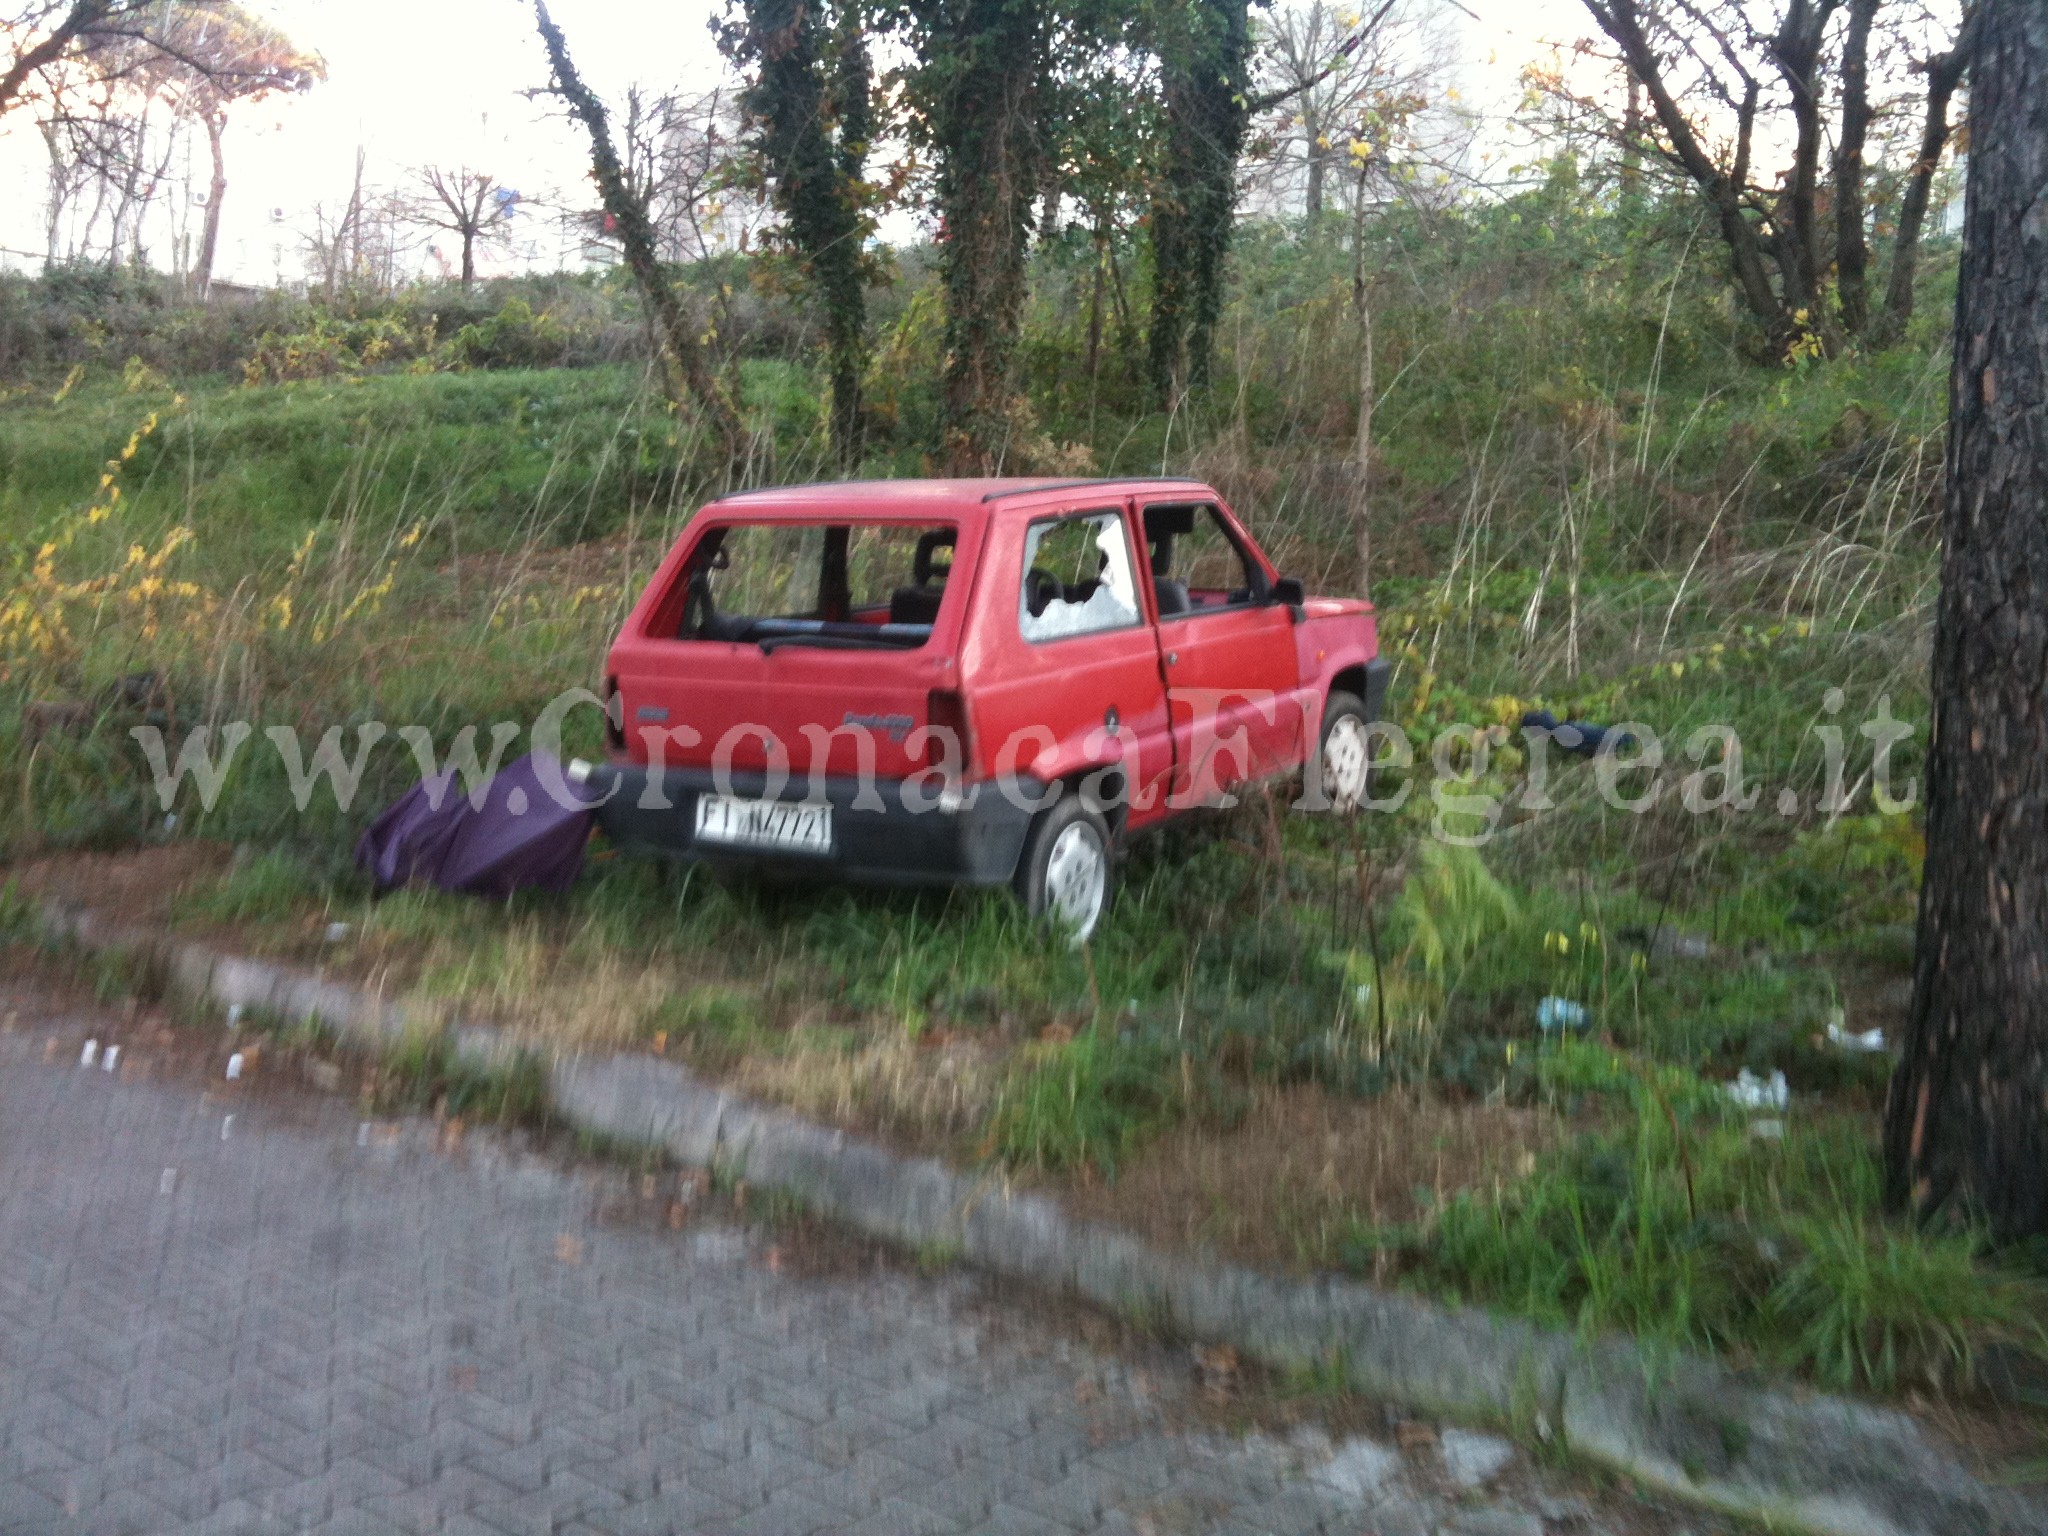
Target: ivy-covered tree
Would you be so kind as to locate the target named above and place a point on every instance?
(975, 93)
(807, 101)
(690, 373)
(1204, 49)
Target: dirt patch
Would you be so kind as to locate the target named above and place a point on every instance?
(136, 885)
(1283, 1188)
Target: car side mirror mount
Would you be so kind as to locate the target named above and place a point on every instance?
(1288, 590)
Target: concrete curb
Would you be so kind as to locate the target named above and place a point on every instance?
(1689, 1427)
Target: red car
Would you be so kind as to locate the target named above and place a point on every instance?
(980, 682)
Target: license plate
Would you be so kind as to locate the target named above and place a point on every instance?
(774, 824)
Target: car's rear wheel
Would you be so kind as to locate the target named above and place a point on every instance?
(1344, 756)
(1065, 876)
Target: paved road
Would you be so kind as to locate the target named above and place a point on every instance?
(290, 1321)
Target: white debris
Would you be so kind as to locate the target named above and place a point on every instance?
(338, 932)
(90, 1055)
(227, 1127)
(1767, 1130)
(1473, 1459)
(1682, 946)
(234, 1015)
(1749, 1091)
(1870, 1041)
(112, 1059)
(168, 1183)
(235, 1066)
(1359, 1468)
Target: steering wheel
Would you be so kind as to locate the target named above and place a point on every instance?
(1041, 590)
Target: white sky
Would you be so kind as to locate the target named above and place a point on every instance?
(439, 81)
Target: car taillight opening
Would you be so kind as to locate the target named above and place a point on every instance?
(949, 744)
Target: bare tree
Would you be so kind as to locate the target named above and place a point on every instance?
(104, 139)
(691, 375)
(677, 152)
(358, 246)
(1349, 102)
(207, 60)
(114, 114)
(470, 205)
(1727, 79)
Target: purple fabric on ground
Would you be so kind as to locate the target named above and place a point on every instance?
(519, 838)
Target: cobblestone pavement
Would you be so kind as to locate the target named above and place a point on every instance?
(234, 1311)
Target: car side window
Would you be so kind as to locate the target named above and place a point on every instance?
(1078, 577)
(1197, 567)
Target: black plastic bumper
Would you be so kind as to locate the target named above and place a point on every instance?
(905, 840)
(1378, 672)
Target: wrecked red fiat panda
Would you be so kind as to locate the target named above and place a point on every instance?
(983, 682)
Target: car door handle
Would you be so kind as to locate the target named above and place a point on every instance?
(1173, 658)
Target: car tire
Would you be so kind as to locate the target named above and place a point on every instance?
(1067, 874)
(1343, 765)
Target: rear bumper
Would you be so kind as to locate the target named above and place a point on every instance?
(889, 835)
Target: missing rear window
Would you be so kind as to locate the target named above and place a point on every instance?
(841, 586)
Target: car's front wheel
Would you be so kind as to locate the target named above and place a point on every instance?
(1344, 757)
(1065, 876)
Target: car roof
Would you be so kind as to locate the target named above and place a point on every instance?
(924, 498)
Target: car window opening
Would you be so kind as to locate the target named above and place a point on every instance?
(836, 586)
(1078, 578)
(1197, 565)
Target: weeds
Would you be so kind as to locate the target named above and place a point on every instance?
(1869, 1304)
(425, 1071)
(1085, 1101)
(1681, 1225)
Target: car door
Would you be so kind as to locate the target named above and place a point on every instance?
(1228, 653)
(1069, 678)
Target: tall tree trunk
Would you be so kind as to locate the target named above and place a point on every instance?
(468, 257)
(843, 277)
(989, 144)
(1967, 1127)
(1852, 249)
(1204, 70)
(1944, 74)
(807, 99)
(1318, 162)
(1632, 151)
(1095, 297)
(61, 189)
(691, 376)
(216, 189)
(1368, 397)
(1796, 221)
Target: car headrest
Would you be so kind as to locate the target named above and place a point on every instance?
(1173, 596)
(923, 567)
(915, 605)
